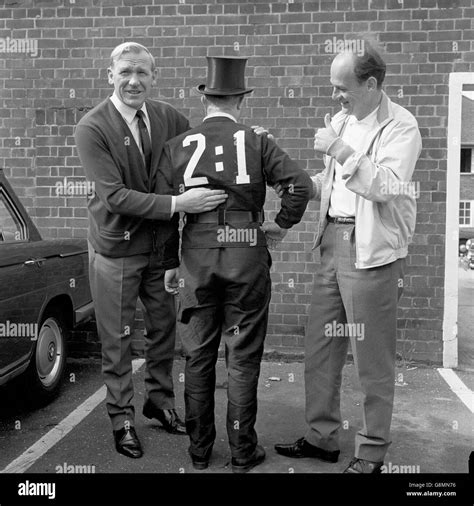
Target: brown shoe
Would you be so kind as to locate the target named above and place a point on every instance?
(361, 466)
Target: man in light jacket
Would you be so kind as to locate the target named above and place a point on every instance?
(367, 219)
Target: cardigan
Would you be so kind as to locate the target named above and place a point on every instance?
(128, 212)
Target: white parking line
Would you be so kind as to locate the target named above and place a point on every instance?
(458, 387)
(38, 449)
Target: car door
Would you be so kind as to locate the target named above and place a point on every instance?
(22, 283)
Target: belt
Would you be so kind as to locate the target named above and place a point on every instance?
(222, 216)
(341, 219)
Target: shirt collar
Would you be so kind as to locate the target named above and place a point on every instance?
(368, 120)
(217, 114)
(128, 113)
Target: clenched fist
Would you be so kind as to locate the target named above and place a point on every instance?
(171, 281)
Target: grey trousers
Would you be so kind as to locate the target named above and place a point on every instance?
(359, 305)
(116, 284)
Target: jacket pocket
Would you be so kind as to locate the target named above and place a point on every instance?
(389, 226)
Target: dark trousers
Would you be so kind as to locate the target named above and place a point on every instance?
(366, 299)
(116, 284)
(226, 292)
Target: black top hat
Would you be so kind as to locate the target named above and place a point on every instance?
(225, 76)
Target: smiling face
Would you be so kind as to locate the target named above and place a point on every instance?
(132, 77)
(358, 99)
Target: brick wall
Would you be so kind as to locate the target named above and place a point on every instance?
(44, 95)
(467, 187)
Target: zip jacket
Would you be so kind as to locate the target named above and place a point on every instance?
(380, 177)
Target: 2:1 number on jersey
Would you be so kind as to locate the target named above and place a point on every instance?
(200, 140)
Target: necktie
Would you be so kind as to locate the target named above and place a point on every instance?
(145, 139)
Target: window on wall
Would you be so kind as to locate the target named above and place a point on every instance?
(466, 160)
(465, 212)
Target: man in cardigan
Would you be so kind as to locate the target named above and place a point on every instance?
(130, 242)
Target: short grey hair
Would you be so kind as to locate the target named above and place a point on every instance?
(130, 47)
(370, 64)
(225, 101)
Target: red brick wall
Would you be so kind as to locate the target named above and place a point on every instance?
(43, 97)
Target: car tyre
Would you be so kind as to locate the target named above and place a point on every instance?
(48, 362)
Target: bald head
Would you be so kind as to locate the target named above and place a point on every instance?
(355, 86)
(343, 65)
(369, 64)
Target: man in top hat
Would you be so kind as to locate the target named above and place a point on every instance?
(224, 278)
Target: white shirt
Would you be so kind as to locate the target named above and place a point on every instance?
(129, 115)
(357, 134)
(217, 114)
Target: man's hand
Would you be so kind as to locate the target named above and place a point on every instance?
(260, 131)
(171, 281)
(324, 137)
(328, 142)
(274, 234)
(199, 200)
(279, 190)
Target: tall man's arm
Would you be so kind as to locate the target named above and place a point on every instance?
(103, 171)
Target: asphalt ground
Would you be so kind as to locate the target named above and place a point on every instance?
(432, 428)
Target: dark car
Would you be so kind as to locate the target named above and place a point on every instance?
(44, 294)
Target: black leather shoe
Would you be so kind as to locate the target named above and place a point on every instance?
(302, 448)
(361, 466)
(168, 418)
(244, 465)
(200, 463)
(127, 443)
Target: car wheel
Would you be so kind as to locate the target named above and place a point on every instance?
(48, 362)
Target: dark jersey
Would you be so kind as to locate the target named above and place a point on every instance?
(223, 154)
